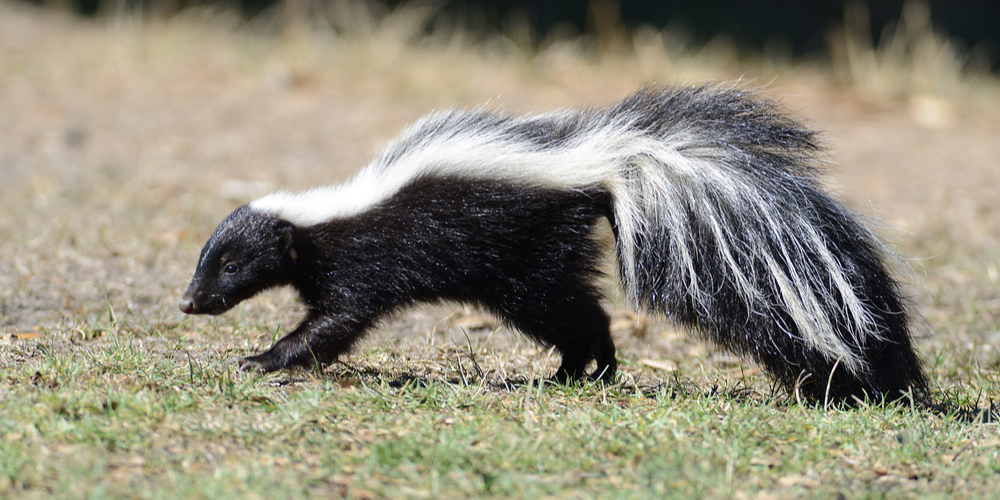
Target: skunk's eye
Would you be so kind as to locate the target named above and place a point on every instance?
(231, 269)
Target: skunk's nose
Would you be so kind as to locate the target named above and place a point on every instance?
(186, 305)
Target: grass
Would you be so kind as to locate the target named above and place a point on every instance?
(117, 421)
(123, 143)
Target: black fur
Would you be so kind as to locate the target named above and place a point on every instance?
(524, 254)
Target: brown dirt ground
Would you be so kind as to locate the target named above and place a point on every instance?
(123, 144)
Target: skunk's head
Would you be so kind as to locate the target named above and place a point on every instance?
(249, 252)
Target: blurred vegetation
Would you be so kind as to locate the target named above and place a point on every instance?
(779, 28)
(886, 50)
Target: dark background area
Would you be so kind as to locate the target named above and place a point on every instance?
(802, 25)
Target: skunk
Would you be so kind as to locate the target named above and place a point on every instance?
(719, 218)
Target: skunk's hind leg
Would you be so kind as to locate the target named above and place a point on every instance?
(586, 336)
(578, 328)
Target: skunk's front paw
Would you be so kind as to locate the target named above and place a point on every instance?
(261, 363)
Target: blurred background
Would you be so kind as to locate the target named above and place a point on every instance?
(791, 28)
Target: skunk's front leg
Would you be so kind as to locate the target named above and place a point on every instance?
(317, 341)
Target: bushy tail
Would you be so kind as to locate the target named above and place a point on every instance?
(722, 224)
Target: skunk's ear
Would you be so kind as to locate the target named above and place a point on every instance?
(286, 236)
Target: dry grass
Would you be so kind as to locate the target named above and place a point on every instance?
(123, 143)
